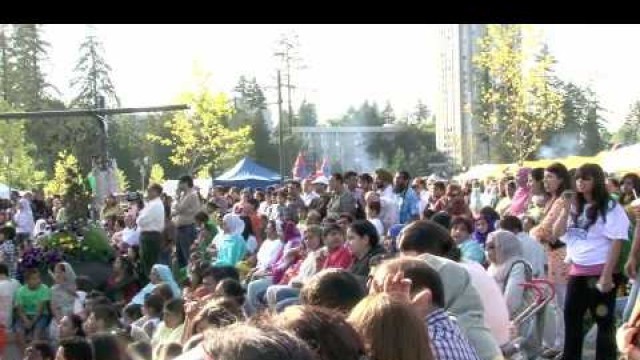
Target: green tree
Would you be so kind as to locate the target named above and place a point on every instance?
(29, 51)
(251, 110)
(18, 166)
(520, 103)
(629, 133)
(6, 65)
(157, 174)
(582, 132)
(307, 115)
(421, 113)
(202, 139)
(123, 182)
(388, 115)
(92, 78)
(59, 185)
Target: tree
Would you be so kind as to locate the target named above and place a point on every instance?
(307, 115)
(388, 115)
(629, 133)
(59, 185)
(582, 131)
(123, 182)
(202, 139)
(28, 53)
(422, 114)
(6, 66)
(251, 110)
(157, 174)
(18, 166)
(92, 75)
(519, 103)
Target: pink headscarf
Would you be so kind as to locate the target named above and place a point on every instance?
(523, 192)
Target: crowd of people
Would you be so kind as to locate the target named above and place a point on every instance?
(375, 266)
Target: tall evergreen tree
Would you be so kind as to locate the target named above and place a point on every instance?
(629, 133)
(6, 66)
(93, 75)
(28, 52)
(307, 115)
(251, 110)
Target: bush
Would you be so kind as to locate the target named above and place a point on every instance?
(93, 245)
(96, 243)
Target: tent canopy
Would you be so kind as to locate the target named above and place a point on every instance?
(247, 173)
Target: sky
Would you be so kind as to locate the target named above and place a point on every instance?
(344, 65)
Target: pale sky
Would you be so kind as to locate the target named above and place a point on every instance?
(345, 64)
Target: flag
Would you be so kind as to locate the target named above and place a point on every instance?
(324, 169)
(299, 168)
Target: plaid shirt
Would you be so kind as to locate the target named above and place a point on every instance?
(9, 256)
(447, 341)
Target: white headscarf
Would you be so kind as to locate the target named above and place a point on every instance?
(233, 223)
(508, 251)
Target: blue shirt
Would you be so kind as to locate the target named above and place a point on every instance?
(447, 340)
(472, 251)
(231, 250)
(408, 204)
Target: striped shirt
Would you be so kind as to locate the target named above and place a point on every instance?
(447, 340)
(9, 256)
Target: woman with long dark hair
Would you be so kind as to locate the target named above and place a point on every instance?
(594, 227)
(556, 181)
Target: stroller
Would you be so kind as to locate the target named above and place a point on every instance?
(530, 319)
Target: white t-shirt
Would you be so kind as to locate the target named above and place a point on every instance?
(8, 290)
(268, 253)
(496, 313)
(591, 246)
(533, 253)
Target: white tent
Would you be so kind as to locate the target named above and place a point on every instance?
(621, 160)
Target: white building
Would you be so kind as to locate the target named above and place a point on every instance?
(457, 133)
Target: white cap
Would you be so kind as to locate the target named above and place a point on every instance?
(321, 180)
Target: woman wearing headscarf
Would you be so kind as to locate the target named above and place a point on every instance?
(510, 270)
(24, 221)
(159, 274)
(507, 266)
(63, 292)
(261, 280)
(230, 247)
(520, 200)
(485, 224)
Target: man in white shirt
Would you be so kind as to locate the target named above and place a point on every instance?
(151, 225)
(307, 192)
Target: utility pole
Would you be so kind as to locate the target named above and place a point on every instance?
(280, 129)
(288, 59)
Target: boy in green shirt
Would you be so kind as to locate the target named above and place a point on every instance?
(31, 307)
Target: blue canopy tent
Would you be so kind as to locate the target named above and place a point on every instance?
(247, 173)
